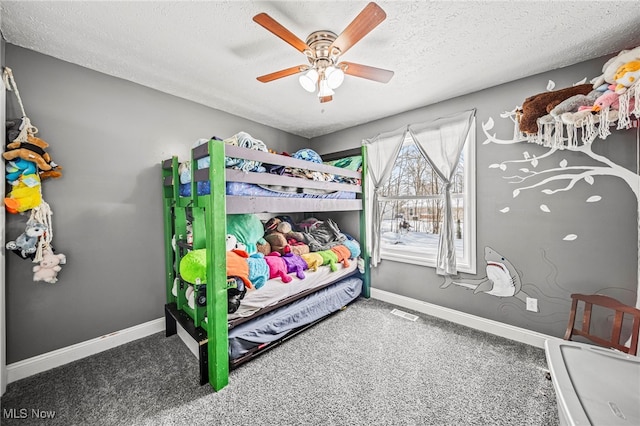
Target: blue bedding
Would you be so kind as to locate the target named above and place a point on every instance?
(278, 323)
(249, 189)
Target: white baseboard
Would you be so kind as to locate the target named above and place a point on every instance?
(40, 363)
(494, 327)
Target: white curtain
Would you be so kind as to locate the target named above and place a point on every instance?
(441, 142)
(382, 152)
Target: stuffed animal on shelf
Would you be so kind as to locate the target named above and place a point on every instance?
(538, 105)
(573, 103)
(313, 260)
(343, 254)
(626, 75)
(296, 264)
(27, 242)
(19, 167)
(329, 258)
(277, 267)
(610, 67)
(25, 195)
(49, 267)
(247, 229)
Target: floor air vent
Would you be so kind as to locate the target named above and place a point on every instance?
(404, 315)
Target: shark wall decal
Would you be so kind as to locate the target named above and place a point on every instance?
(502, 279)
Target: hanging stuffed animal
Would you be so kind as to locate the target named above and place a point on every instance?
(25, 195)
(17, 168)
(27, 243)
(49, 267)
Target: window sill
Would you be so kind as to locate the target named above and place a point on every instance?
(421, 261)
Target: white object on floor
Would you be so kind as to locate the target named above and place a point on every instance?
(594, 385)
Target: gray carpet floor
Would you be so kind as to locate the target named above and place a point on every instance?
(362, 366)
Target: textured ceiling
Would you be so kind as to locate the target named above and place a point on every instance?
(211, 52)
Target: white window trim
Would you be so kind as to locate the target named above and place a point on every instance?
(468, 262)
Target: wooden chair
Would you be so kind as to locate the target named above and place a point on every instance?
(610, 303)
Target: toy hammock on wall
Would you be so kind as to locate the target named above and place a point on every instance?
(552, 118)
(27, 165)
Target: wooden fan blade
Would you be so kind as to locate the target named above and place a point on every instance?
(324, 99)
(276, 28)
(282, 73)
(364, 71)
(367, 20)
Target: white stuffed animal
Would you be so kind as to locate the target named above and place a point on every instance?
(49, 267)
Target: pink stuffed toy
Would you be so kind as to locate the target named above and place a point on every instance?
(277, 267)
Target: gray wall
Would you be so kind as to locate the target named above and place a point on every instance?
(602, 259)
(109, 135)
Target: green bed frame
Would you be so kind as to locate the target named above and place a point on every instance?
(208, 218)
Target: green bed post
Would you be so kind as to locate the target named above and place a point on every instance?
(169, 202)
(366, 288)
(215, 216)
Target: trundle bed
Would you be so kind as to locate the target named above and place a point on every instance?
(195, 217)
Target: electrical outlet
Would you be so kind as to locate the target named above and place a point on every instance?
(532, 304)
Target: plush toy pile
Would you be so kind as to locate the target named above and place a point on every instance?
(249, 267)
(552, 118)
(27, 165)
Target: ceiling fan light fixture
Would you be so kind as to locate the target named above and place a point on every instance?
(324, 90)
(335, 77)
(309, 80)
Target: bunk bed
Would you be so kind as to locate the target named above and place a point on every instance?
(218, 190)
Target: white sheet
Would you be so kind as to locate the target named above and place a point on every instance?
(275, 290)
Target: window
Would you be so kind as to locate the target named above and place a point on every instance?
(411, 205)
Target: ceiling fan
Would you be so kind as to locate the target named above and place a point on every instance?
(323, 50)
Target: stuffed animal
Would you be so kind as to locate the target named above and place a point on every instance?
(626, 75)
(277, 267)
(236, 291)
(258, 270)
(19, 167)
(27, 242)
(32, 150)
(25, 195)
(49, 267)
(247, 229)
(329, 258)
(237, 266)
(233, 244)
(354, 248)
(313, 260)
(283, 239)
(573, 103)
(536, 106)
(296, 264)
(193, 266)
(610, 67)
(342, 253)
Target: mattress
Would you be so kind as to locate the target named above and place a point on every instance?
(275, 290)
(278, 323)
(594, 385)
(249, 189)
